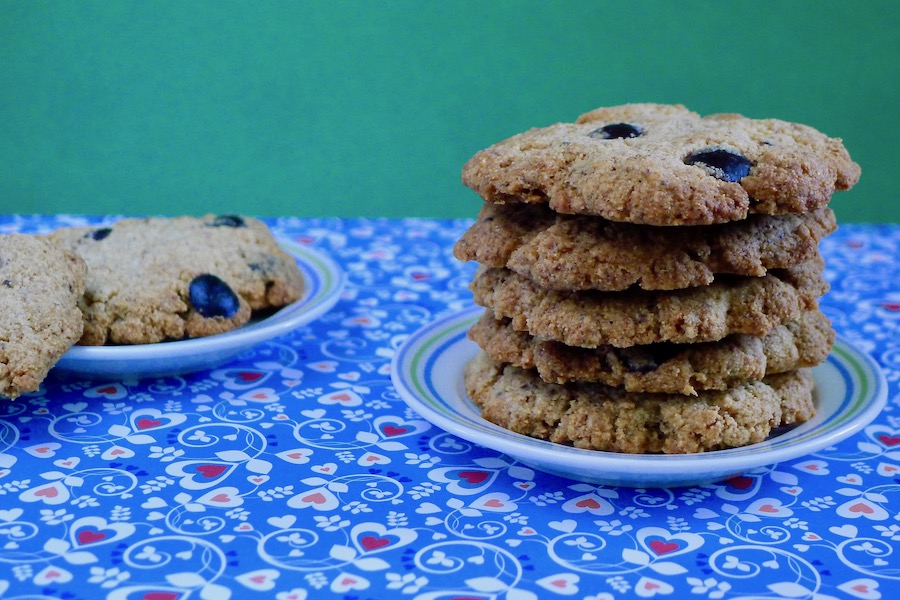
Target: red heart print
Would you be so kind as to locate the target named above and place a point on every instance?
(372, 542)
(662, 547)
(109, 390)
(316, 498)
(90, 536)
(493, 503)
(42, 450)
(861, 508)
(148, 423)
(473, 477)
(740, 483)
(768, 508)
(344, 397)
(560, 583)
(889, 440)
(160, 596)
(392, 430)
(891, 306)
(588, 503)
(249, 376)
(210, 471)
(221, 498)
(47, 492)
(861, 588)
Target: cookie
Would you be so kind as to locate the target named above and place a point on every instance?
(749, 305)
(576, 253)
(157, 279)
(598, 417)
(40, 285)
(665, 165)
(665, 368)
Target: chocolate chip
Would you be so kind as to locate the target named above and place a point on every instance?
(617, 131)
(212, 297)
(636, 363)
(228, 221)
(99, 234)
(722, 164)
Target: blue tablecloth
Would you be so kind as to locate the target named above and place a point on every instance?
(268, 475)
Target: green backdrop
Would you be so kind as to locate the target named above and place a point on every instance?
(371, 108)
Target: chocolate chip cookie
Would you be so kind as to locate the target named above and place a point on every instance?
(40, 285)
(565, 252)
(665, 165)
(156, 279)
(665, 367)
(598, 417)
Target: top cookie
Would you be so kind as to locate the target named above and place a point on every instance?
(39, 318)
(665, 165)
(157, 279)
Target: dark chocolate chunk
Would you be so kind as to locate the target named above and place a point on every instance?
(212, 297)
(725, 165)
(617, 131)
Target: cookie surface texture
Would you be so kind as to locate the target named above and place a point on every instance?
(158, 279)
(597, 417)
(748, 305)
(578, 253)
(664, 368)
(665, 165)
(40, 285)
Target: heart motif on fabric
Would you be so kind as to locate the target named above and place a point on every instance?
(647, 587)
(463, 481)
(861, 508)
(561, 583)
(109, 391)
(200, 474)
(371, 458)
(861, 588)
(149, 419)
(240, 379)
(341, 398)
(814, 467)
(345, 582)
(660, 542)
(320, 499)
(224, 497)
(371, 538)
(297, 456)
(45, 450)
(741, 487)
(389, 427)
(49, 493)
(769, 507)
(91, 531)
(261, 580)
(495, 502)
(590, 503)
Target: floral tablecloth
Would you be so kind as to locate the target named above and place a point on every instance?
(295, 471)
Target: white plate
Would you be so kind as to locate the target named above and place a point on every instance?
(323, 281)
(427, 373)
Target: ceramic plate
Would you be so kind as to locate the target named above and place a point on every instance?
(427, 372)
(324, 282)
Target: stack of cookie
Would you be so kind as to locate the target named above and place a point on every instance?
(651, 278)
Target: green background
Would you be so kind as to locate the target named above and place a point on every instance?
(371, 108)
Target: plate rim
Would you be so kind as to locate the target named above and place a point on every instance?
(318, 268)
(866, 407)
